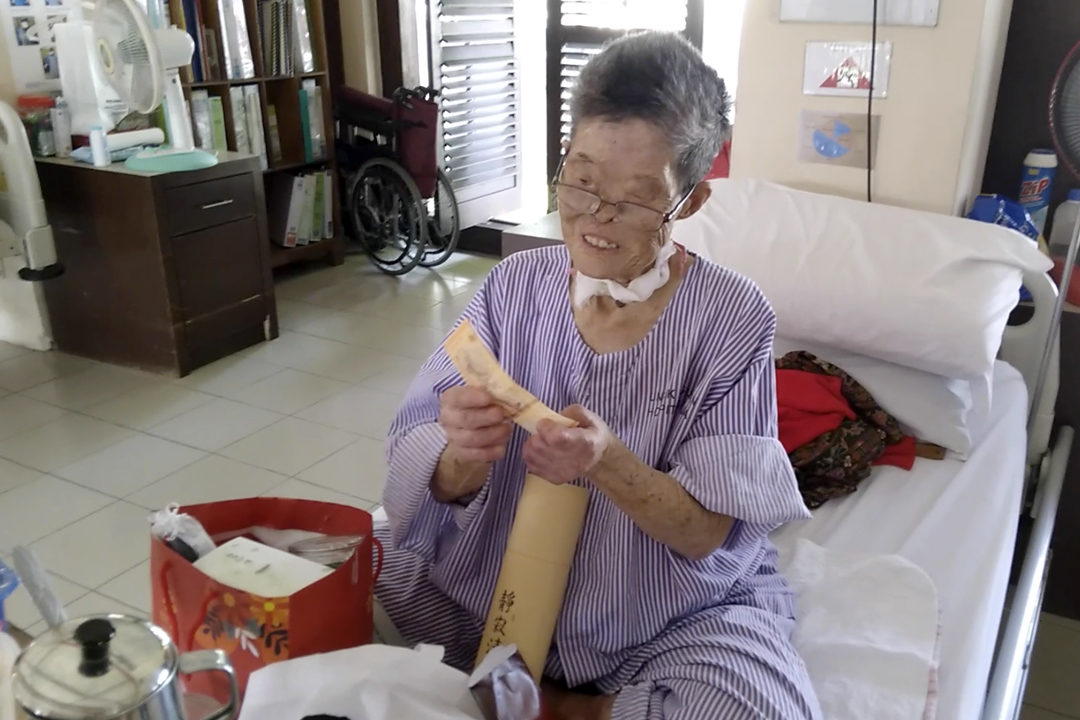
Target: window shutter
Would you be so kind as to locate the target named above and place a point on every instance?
(625, 14)
(578, 30)
(474, 64)
(573, 58)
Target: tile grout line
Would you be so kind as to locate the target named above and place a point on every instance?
(457, 288)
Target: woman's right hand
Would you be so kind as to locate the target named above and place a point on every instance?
(477, 429)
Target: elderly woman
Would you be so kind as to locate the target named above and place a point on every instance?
(674, 607)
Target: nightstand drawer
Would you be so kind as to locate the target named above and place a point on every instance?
(218, 267)
(206, 204)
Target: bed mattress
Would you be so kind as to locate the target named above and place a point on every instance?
(957, 521)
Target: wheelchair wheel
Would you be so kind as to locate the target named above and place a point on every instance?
(387, 216)
(444, 223)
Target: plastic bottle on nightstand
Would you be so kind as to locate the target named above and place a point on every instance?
(1062, 234)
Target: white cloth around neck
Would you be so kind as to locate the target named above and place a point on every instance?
(639, 289)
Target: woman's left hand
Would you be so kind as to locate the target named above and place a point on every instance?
(561, 455)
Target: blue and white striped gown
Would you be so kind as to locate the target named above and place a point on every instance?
(675, 639)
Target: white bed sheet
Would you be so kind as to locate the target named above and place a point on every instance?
(957, 521)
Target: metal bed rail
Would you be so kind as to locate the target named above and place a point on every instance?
(1009, 675)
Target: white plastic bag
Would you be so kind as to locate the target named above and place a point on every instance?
(170, 524)
(371, 682)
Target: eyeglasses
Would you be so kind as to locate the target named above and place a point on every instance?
(627, 213)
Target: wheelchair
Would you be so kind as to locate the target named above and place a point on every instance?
(397, 203)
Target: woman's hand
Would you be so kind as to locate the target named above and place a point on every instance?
(477, 429)
(561, 455)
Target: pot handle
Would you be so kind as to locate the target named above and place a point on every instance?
(214, 660)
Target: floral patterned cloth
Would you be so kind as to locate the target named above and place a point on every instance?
(834, 463)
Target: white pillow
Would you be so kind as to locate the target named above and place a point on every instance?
(927, 291)
(933, 408)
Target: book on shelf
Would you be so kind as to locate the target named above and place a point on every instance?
(315, 108)
(187, 16)
(235, 41)
(311, 120)
(301, 36)
(305, 234)
(328, 205)
(284, 202)
(203, 45)
(255, 123)
(318, 207)
(217, 123)
(239, 117)
(201, 121)
(265, 11)
(275, 135)
(305, 124)
(192, 72)
(210, 51)
(285, 33)
(300, 208)
(276, 22)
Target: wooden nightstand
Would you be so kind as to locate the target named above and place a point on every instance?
(164, 272)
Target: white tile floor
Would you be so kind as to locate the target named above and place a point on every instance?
(87, 449)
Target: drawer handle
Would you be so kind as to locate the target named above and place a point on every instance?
(220, 203)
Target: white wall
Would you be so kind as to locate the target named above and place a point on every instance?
(720, 39)
(23, 318)
(935, 123)
(532, 69)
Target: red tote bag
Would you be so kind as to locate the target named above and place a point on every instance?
(202, 614)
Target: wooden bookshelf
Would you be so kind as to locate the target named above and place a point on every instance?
(283, 93)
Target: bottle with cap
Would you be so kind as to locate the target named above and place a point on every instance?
(99, 147)
(61, 124)
(1037, 183)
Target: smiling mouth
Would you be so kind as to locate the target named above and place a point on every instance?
(599, 243)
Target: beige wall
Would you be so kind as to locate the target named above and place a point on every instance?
(360, 45)
(935, 123)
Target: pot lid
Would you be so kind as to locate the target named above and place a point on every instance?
(326, 543)
(94, 668)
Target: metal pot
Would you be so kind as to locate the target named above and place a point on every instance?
(112, 667)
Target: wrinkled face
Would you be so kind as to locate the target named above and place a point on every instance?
(620, 162)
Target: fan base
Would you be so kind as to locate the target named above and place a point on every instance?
(167, 160)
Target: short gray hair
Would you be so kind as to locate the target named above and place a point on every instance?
(660, 78)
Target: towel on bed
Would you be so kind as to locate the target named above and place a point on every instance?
(867, 629)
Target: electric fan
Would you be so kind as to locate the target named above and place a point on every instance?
(1065, 131)
(143, 66)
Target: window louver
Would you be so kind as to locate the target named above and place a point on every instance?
(580, 31)
(574, 56)
(625, 14)
(474, 62)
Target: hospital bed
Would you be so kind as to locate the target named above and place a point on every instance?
(956, 519)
